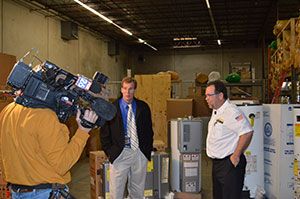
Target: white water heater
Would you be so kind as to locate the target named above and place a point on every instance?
(254, 177)
(279, 151)
(297, 150)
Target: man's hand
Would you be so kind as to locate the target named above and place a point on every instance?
(234, 160)
(89, 115)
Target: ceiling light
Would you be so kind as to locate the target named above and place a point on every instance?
(126, 31)
(219, 42)
(193, 46)
(184, 38)
(150, 46)
(207, 3)
(94, 11)
(187, 44)
(110, 21)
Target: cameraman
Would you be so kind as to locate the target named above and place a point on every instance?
(36, 153)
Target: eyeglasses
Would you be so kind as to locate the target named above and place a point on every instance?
(211, 94)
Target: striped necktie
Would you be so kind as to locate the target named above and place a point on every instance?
(131, 128)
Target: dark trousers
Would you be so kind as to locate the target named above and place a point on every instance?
(228, 181)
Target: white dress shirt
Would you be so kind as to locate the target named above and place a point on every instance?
(225, 127)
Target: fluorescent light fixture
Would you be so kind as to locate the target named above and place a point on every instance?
(219, 42)
(207, 3)
(184, 38)
(94, 11)
(150, 46)
(193, 46)
(142, 41)
(110, 21)
(126, 31)
(187, 44)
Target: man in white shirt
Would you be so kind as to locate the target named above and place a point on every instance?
(229, 134)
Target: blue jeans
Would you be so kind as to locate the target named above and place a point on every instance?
(35, 194)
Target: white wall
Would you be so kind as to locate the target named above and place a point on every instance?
(22, 29)
(187, 62)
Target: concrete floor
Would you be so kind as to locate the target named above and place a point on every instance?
(80, 184)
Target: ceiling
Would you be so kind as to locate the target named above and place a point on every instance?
(158, 22)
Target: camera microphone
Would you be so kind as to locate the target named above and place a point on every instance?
(103, 108)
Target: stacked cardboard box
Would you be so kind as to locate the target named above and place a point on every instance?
(200, 107)
(159, 145)
(4, 191)
(155, 90)
(179, 108)
(6, 64)
(97, 158)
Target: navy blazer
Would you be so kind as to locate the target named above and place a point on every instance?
(112, 133)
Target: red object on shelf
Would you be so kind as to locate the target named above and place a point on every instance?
(278, 88)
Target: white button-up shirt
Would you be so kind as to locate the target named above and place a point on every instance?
(225, 127)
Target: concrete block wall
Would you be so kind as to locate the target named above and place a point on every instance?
(22, 29)
(188, 62)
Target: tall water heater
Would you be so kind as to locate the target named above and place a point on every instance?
(279, 150)
(186, 142)
(254, 177)
(297, 150)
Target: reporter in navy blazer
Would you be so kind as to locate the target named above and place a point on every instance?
(112, 133)
(128, 143)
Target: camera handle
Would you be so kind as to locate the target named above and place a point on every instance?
(84, 122)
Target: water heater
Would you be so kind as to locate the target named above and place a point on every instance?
(186, 146)
(254, 177)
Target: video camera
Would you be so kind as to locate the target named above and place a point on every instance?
(49, 86)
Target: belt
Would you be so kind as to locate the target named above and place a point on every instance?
(220, 159)
(26, 188)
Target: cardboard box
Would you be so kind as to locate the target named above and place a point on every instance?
(2, 181)
(6, 64)
(179, 108)
(195, 91)
(96, 160)
(200, 107)
(159, 145)
(93, 143)
(5, 99)
(4, 192)
(4, 103)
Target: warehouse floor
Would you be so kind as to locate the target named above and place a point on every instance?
(80, 184)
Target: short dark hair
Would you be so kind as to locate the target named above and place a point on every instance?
(129, 80)
(219, 87)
